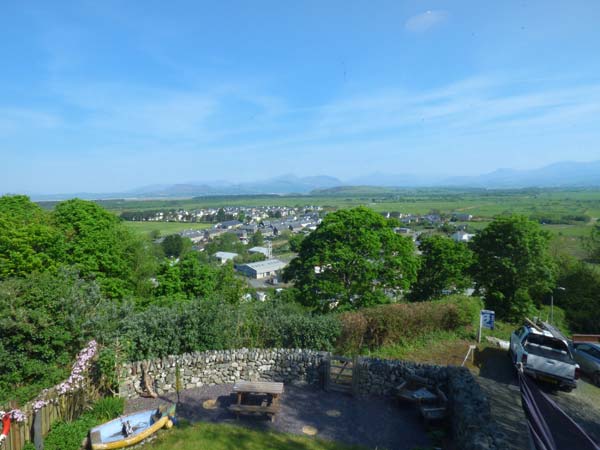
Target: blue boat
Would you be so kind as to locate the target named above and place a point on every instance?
(130, 429)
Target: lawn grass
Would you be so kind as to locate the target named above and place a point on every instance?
(209, 436)
(165, 228)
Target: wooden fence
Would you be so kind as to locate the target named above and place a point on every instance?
(341, 374)
(60, 408)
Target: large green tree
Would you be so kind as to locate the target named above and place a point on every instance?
(99, 245)
(513, 268)
(580, 296)
(28, 240)
(445, 266)
(353, 259)
(174, 245)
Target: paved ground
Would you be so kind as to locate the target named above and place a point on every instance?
(376, 423)
(499, 381)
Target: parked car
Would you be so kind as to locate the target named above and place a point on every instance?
(545, 356)
(587, 356)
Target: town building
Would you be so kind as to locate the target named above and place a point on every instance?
(223, 257)
(262, 269)
(462, 236)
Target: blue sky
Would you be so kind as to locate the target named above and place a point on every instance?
(103, 96)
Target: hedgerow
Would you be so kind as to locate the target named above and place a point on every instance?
(395, 324)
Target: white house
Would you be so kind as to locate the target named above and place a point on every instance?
(462, 236)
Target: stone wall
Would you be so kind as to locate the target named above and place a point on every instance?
(470, 417)
(472, 425)
(219, 367)
(382, 376)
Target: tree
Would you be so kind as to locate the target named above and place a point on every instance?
(593, 244)
(580, 298)
(221, 216)
(444, 266)
(28, 239)
(513, 267)
(295, 242)
(353, 259)
(199, 280)
(257, 239)
(174, 245)
(99, 246)
(227, 242)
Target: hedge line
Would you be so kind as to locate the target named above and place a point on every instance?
(395, 324)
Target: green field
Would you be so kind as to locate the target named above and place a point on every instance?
(165, 228)
(483, 203)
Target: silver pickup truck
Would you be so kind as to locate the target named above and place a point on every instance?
(545, 356)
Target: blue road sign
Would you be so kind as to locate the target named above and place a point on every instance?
(487, 319)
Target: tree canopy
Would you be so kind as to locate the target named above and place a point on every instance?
(445, 266)
(580, 296)
(28, 239)
(513, 267)
(174, 245)
(353, 259)
(98, 245)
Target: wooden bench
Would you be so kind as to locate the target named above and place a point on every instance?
(270, 410)
(269, 405)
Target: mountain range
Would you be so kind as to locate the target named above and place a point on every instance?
(561, 174)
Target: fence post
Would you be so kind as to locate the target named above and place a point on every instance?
(38, 438)
(356, 374)
(326, 372)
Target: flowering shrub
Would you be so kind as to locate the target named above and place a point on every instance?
(16, 415)
(82, 364)
(72, 384)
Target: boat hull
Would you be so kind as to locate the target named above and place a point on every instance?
(108, 436)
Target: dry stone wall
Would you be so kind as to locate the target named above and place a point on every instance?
(219, 367)
(470, 417)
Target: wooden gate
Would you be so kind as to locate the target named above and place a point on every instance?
(340, 374)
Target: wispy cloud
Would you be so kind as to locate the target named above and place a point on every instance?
(235, 121)
(425, 21)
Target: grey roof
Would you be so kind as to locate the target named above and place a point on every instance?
(258, 249)
(269, 265)
(225, 255)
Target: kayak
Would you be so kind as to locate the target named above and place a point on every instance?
(130, 429)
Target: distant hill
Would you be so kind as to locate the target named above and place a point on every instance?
(561, 174)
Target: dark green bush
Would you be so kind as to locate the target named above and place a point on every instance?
(215, 325)
(69, 435)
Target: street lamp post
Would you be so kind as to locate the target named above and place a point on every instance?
(558, 288)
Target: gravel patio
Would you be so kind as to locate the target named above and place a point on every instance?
(374, 422)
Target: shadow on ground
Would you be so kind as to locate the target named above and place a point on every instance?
(374, 422)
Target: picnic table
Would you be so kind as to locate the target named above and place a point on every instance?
(267, 392)
(430, 399)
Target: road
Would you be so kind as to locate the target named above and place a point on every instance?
(497, 378)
